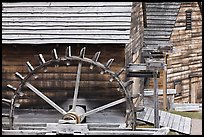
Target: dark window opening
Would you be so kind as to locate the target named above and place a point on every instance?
(188, 20)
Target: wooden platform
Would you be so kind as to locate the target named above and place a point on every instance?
(174, 122)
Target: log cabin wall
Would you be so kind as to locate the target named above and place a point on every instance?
(133, 49)
(185, 66)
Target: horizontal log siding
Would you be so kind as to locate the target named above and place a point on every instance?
(66, 22)
(133, 49)
(58, 83)
(160, 21)
(188, 44)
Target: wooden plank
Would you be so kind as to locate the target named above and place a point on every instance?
(69, 84)
(181, 125)
(167, 119)
(187, 126)
(175, 125)
(162, 13)
(158, 22)
(23, 132)
(147, 114)
(156, 37)
(187, 104)
(11, 69)
(65, 4)
(63, 77)
(66, 14)
(149, 92)
(157, 32)
(161, 10)
(46, 41)
(187, 108)
(71, 19)
(153, 29)
(163, 6)
(161, 17)
(162, 116)
(68, 9)
(120, 132)
(151, 117)
(89, 37)
(171, 119)
(64, 32)
(141, 115)
(61, 26)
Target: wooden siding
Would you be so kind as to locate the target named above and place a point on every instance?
(133, 49)
(65, 22)
(161, 18)
(168, 23)
(174, 122)
(186, 63)
(58, 83)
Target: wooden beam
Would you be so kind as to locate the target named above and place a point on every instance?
(144, 14)
(149, 92)
(165, 84)
(142, 74)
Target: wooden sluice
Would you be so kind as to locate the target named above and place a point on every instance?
(172, 121)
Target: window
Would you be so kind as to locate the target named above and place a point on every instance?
(188, 20)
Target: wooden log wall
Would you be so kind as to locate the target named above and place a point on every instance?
(186, 63)
(65, 22)
(133, 49)
(58, 83)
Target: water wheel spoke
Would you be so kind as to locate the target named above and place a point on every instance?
(104, 107)
(40, 94)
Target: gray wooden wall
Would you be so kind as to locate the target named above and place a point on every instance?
(66, 22)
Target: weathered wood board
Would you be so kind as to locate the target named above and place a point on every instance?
(174, 122)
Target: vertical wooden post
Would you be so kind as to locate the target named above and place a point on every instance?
(165, 84)
(194, 89)
(156, 100)
(189, 94)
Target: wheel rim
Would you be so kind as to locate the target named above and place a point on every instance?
(82, 59)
